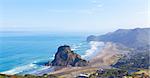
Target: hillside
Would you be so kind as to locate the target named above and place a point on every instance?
(134, 59)
(110, 54)
(134, 38)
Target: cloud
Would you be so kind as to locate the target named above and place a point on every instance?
(95, 1)
(99, 5)
(59, 11)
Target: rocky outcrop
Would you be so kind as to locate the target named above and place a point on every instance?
(66, 57)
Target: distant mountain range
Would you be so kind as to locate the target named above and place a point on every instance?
(135, 38)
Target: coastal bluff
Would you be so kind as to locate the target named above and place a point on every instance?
(133, 38)
(66, 57)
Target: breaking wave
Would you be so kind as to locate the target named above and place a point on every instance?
(95, 46)
(20, 69)
(32, 68)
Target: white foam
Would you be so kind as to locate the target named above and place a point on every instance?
(95, 47)
(53, 56)
(75, 47)
(26, 69)
(19, 69)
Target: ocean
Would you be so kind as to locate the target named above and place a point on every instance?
(26, 54)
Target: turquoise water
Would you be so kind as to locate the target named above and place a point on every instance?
(20, 54)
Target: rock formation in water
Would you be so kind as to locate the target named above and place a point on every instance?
(66, 57)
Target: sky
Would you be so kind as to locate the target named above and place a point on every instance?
(72, 16)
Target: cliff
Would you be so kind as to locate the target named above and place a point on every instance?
(66, 57)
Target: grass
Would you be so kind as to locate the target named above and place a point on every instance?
(146, 71)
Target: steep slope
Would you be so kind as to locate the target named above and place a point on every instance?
(66, 57)
(134, 38)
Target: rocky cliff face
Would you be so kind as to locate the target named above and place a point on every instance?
(66, 57)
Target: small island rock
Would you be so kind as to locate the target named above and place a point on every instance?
(66, 57)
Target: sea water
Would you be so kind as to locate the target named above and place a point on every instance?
(25, 54)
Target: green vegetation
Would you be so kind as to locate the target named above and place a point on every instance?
(109, 73)
(102, 73)
(117, 73)
(135, 59)
(27, 76)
